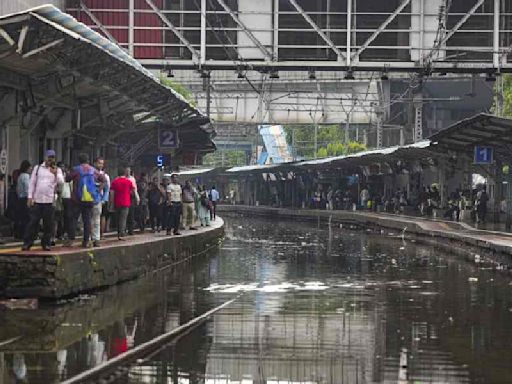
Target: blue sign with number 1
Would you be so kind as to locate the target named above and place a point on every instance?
(483, 155)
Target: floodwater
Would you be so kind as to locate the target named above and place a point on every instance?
(315, 305)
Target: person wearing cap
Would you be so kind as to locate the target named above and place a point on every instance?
(44, 180)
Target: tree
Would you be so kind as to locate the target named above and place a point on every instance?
(225, 158)
(178, 88)
(330, 141)
(506, 95)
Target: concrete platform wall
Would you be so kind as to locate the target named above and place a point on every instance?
(67, 273)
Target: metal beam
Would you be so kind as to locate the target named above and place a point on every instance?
(42, 48)
(496, 34)
(175, 30)
(249, 34)
(275, 35)
(203, 32)
(131, 27)
(7, 37)
(96, 21)
(380, 29)
(457, 26)
(349, 31)
(21, 38)
(317, 29)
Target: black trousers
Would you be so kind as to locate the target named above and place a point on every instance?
(173, 219)
(155, 215)
(84, 209)
(22, 219)
(36, 213)
(213, 211)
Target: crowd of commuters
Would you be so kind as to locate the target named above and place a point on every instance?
(84, 197)
(425, 202)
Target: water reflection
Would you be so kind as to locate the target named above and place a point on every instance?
(320, 305)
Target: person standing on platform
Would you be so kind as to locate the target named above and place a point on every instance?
(142, 208)
(481, 205)
(155, 200)
(22, 184)
(188, 206)
(84, 197)
(121, 190)
(203, 211)
(135, 201)
(214, 198)
(99, 210)
(41, 195)
(174, 193)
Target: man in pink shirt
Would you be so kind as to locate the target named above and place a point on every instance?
(41, 195)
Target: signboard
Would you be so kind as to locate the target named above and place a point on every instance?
(167, 139)
(3, 161)
(483, 155)
(162, 161)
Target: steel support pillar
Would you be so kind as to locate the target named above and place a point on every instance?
(131, 27)
(379, 132)
(418, 121)
(496, 35)
(276, 31)
(349, 32)
(203, 32)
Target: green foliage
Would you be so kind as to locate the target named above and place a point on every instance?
(178, 88)
(338, 149)
(354, 147)
(330, 141)
(322, 152)
(225, 158)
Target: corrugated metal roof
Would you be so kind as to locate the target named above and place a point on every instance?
(79, 31)
(482, 129)
(381, 151)
(335, 159)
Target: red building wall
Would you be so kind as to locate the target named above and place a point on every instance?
(113, 15)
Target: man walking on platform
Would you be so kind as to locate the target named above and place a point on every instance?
(85, 195)
(214, 197)
(99, 209)
(121, 190)
(174, 193)
(41, 195)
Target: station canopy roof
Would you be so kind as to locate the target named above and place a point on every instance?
(479, 130)
(64, 64)
(461, 137)
(414, 151)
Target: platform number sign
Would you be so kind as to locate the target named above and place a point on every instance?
(483, 155)
(167, 139)
(160, 161)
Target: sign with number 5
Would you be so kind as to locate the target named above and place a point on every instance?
(167, 139)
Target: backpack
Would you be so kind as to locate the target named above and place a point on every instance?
(87, 191)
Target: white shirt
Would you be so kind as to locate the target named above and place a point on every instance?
(174, 190)
(43, 184)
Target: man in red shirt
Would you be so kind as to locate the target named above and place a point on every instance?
(120, 193)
